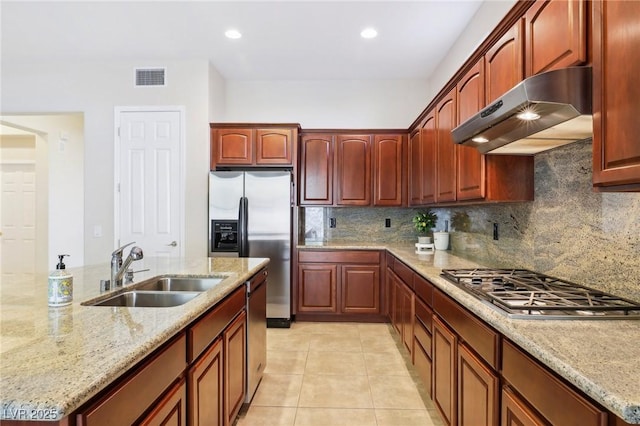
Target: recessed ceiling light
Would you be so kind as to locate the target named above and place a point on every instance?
(232, 34)
(369, 33)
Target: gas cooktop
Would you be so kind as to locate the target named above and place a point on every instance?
(526, 294)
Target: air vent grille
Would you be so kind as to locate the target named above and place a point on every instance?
(150, 77)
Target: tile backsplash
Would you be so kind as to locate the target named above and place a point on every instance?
(569, 231)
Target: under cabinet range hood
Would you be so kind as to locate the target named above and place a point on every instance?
(542, 112)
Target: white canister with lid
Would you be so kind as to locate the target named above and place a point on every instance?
(60, 285)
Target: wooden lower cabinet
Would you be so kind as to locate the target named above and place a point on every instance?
(205, 382)
(516, 413)
(235, 367)
(445, 344)
(336, 284)
(478, 391)
(171, 410)
(402, 309)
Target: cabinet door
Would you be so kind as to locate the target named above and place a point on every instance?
(446, 150)
(415, 168)
(353, 164)
(360, 289)
(274, 146)
(444, 351)
(235, 367)
(387, 170)
(429, 142)
(316, 169)
(171, 410)
(503, 63)
(478, 391)
(555, 35)
(516, 413)
(616, 94)
(205, 379)
(317, 287)
(232, 147)
(470, 162)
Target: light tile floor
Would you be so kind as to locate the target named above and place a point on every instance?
(333, 374)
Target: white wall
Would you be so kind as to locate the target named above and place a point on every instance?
(217, 95)
(95, 88)
(327, 104)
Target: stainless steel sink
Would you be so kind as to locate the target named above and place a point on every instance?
(148, 299)
(179, 284)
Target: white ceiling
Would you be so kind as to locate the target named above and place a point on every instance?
(282, 40)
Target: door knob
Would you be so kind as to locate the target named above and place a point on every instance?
(173, 244)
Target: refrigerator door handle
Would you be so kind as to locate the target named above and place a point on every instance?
(243, 228)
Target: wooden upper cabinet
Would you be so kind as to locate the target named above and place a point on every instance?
(470, 162)
(555, 35)
(414, 161)
(503, 63)
(446, 113)
(387, 170)
(274, 146)
(353, 170)
(232, 147)
(428, 142)
(616, 96)
(247, 145)
(316, 169)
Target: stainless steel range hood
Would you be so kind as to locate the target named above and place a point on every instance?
(542, 112)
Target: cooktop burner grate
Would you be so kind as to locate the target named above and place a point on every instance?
(527, 294)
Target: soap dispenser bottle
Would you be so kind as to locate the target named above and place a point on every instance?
(60, 284)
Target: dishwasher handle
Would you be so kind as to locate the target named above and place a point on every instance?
(256, 281)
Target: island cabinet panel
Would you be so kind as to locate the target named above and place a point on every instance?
(388, 157)
(339, 285)
(555, 35)
(446, 121)
(316, 169)
(353, 170)
(470, 163)
(235, 367)
(137, 393)
(232, 147)
(616, 97)
(478, 390)
(503, 63)
(445, 349)
(274, 146)
(556, 402)
(206, 390)
(515, 412)
(171, 410)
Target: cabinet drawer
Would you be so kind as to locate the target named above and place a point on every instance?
(339, 256)
(422, 362)
(423, 289)
(404, 272)
(423, 336)
(481, 338)
(130, 399)
(557, 402)
(210, 326)
(424, 314)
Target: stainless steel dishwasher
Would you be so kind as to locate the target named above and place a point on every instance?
(256, 331)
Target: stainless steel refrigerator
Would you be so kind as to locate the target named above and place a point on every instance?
(250, 215)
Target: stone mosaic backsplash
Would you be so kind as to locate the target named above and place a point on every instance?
(569, 231)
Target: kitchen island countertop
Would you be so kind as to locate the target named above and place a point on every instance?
(53, 360)
(599, 357)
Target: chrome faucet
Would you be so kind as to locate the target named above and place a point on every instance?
(118, 268)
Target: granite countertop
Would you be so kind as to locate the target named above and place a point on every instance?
(52, 360)
(600, 357)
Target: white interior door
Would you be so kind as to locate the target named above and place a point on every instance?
(18, 222)
(149, 165)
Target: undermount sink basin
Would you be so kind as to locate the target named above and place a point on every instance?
(148, 299)
(180, 284)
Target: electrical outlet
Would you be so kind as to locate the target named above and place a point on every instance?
(495, 231)
(387, 223)
(332, 222)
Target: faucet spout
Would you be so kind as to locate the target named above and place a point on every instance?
(118, 267)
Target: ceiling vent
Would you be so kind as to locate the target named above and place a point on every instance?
(146, 77)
